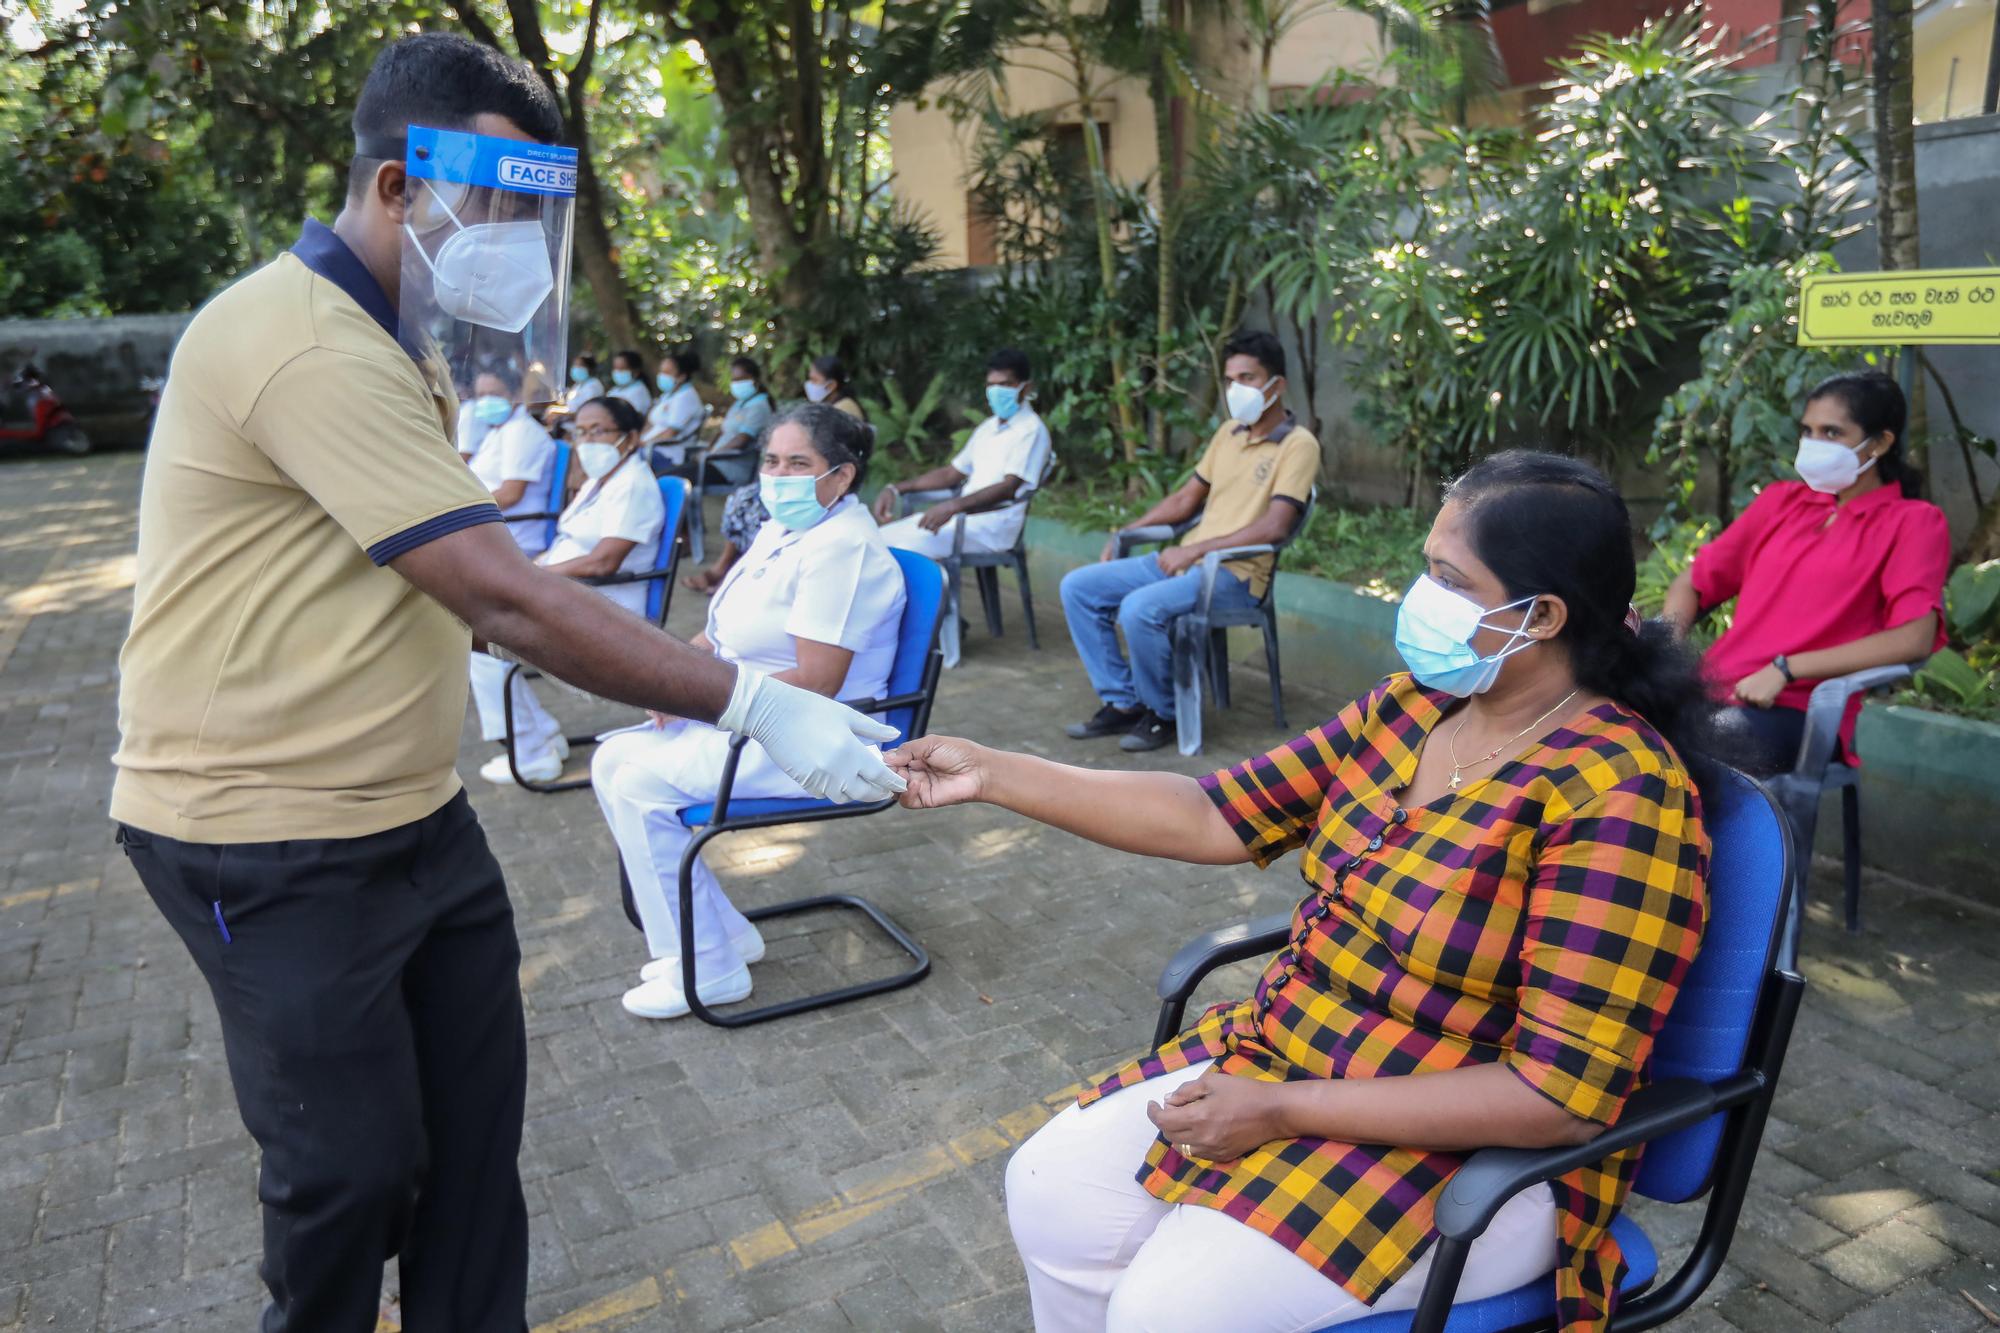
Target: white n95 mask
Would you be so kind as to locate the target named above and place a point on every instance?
(1246, 402)
(493, 274)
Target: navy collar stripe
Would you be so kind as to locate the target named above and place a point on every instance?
(320, 250)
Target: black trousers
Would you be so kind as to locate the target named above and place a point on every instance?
(1762, 741)
(369, 990)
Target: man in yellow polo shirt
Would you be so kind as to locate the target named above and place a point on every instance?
(1250, 488)
(312, 551)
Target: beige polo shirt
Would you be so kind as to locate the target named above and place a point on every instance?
(1244, 475)
(278, 681)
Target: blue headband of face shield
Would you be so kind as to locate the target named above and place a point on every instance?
(1434, 629)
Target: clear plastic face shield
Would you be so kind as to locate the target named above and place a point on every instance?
(486, 237)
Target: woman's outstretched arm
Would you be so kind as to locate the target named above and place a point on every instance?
(1154, 814)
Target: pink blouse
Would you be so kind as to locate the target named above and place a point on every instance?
(1807, 574)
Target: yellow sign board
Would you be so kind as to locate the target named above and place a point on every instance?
(1943, 305)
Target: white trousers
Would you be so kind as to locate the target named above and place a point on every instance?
(984, 533)
(642, 780)
(535, 732)
(1102, 1254)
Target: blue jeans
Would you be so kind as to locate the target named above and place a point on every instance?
(1134, 595)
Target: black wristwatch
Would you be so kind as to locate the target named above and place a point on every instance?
(1784, 668)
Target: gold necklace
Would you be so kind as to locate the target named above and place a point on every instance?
(1451, 742)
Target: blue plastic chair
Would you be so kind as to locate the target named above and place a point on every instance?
(555, 497)
(659, 596)
(912, 687)
(1701, 1114)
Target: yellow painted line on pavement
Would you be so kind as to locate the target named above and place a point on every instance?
(641, 1295)
(775, 1240)
(48, 894)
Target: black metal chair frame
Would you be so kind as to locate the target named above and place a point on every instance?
(985, 566)
(1490, 1177)
(1209, 652)
(720, 823)
(1819, 768)
(664, 571)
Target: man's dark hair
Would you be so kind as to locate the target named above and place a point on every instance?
(444, 81)
(1270, 353)
(1011, 361)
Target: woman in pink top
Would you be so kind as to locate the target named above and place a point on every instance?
(1834, 573)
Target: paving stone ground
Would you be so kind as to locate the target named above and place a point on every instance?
(843, 1169)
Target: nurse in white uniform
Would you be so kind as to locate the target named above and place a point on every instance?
(583, 383)
(999, 467)
(677, 414)
(817, 600)
(614, 526)
(515, 456)
(628, 380)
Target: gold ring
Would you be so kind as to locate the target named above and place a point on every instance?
(1186, 1149)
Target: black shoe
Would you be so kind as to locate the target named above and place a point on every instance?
(1109, 720)
(1150, 732)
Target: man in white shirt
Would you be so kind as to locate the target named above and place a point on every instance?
(677, 414)
(996, 471)
(515, 456)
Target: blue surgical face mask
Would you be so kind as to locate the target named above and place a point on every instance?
(621, 378)
(793, 501)
(577, 374)
(1003, 399)
(490, 410)
(742, 390)
(665, 381)
(1434, 629)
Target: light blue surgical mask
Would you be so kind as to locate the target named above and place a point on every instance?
(742, 390)
(1434, 629)
(577, 374)
(490, 410)
(793, 501)
(621, 378)
(665, 381)
(1003, 399)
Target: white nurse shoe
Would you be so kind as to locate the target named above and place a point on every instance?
(545, 769)
(662, 997)
(749, 947)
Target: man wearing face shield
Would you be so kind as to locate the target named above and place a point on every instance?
(312, 552)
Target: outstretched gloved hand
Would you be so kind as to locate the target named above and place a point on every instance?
(823, 745)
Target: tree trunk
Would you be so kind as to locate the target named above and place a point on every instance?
(1986, 536)
(594, 249)
(1167, 142)
(1125, 421)
(1896, 171)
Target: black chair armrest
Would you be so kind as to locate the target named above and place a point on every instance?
(908, 500)
(524, 518)
(629, 576)
(1494, 1175)
(1828, 705)
(1204, 953)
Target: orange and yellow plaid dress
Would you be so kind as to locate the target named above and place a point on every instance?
(1542, 917)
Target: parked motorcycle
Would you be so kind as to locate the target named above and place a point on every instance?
(30, 413)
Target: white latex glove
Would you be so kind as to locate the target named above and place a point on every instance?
(818, 742)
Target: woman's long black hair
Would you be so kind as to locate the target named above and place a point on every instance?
(1545, 523)
(1874, 401)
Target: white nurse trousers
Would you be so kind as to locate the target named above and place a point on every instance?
(643, 779)
(535, 732)
(1102, 1254)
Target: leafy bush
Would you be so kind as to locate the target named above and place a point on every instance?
(1673, 551)
(1965, 677)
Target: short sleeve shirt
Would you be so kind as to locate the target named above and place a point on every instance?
(833, 583)
(748, 417)
(1809, 574)
(636, 394)
(519, 449)
(1440, 938)
(622, 505)
(680, 413)
(278, 681)
(996, 450)
(1244, 474)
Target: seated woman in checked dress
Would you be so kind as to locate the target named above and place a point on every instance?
(1505, 871)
